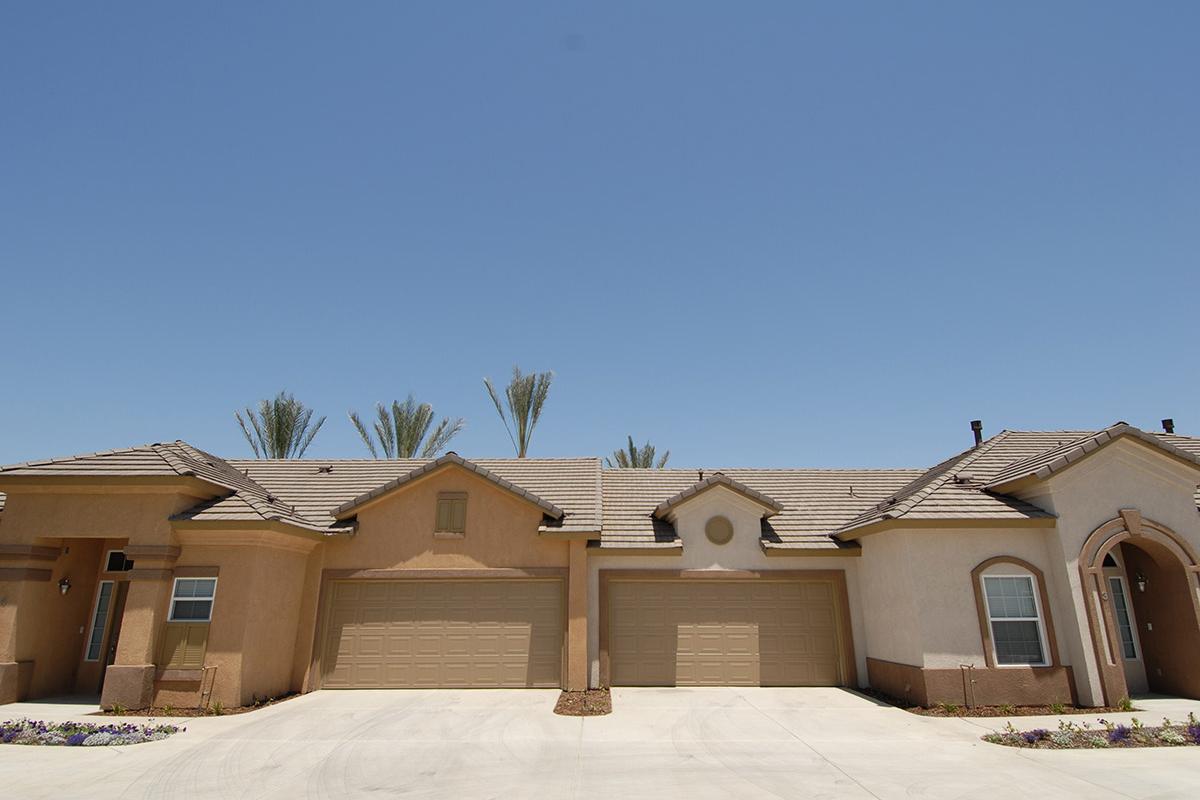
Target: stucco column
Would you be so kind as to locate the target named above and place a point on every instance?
(129, 680)
(24, 586)
(577, 634)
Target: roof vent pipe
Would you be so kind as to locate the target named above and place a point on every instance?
(977, 429)
(1168, 425)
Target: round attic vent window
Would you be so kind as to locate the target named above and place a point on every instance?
(719, 530)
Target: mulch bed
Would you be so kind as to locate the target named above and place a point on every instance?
(214, 710)
(592, 703)
(951, 710)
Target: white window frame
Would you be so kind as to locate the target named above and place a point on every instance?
(212, 600)
(1040, 621)
(87, 643)
(1137, 647)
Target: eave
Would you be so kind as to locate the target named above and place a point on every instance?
(883, 525)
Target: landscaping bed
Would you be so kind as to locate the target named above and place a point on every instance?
(81, 734)
(214, 710)
(954, 710)
(1070, 736)
(592, 703)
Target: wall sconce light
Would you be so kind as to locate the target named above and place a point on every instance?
(64, 586)
(1140, 581)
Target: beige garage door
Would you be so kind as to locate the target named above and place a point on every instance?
(723, 633)
(469, 633)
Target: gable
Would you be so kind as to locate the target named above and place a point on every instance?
(1071, 454)
(448, 461)
(400, 530)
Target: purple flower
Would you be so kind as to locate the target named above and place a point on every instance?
(1119, 734)
(1194, 732)
(1036, 735)
(76, 739)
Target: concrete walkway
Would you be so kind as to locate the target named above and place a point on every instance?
(658, 743)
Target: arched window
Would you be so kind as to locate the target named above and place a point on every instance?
(1013, 620)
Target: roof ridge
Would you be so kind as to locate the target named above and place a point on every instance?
(260, 499)
(901, 503)
(449, 458)
(1015, 465)
(965, 459)
(1064, 454)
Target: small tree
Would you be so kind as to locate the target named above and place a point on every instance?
(525, 395)
(281, 428)
(403, 430)
(636, 457)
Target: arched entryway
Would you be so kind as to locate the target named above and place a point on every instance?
(1162, 576)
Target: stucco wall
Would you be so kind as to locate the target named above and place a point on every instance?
(41, 625)
(103, 512)
(53, 634)
(891, 619)
(920, 598)
(742, 552)
(397, 531)
(1124, 474)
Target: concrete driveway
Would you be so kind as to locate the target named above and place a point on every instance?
(658, 743)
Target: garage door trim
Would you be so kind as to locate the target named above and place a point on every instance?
(848, 665)
(331, 576)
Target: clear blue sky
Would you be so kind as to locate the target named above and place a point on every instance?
(758, 233)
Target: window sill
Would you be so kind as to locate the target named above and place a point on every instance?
(448, 535)
(1024, 666)
(169, 675)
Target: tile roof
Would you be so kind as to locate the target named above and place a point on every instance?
(952, 489)
(1063, 455)
(813, 502)
(813, 508)
(717, 479)
(549, 508)
(168, 459)
(316, 488)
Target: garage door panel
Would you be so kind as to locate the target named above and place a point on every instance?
(737, 633)
(385, 634)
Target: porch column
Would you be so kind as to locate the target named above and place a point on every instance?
(577, 617)
(129, 680)
(24, 587)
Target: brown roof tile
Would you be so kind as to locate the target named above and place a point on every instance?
(549, 508)
(812, 502)
(1057, 458)
(316, 488)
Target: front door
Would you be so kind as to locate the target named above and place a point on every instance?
(114, 633)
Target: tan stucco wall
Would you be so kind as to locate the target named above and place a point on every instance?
(53, 631)
(920, 597)
(36, 622)
(255, 614)
(743, 552)
(261, 636)
(141, 516)
(1124, 474)
(397, 531)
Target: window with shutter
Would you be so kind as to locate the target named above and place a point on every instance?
(451, 514)
(184, 645)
